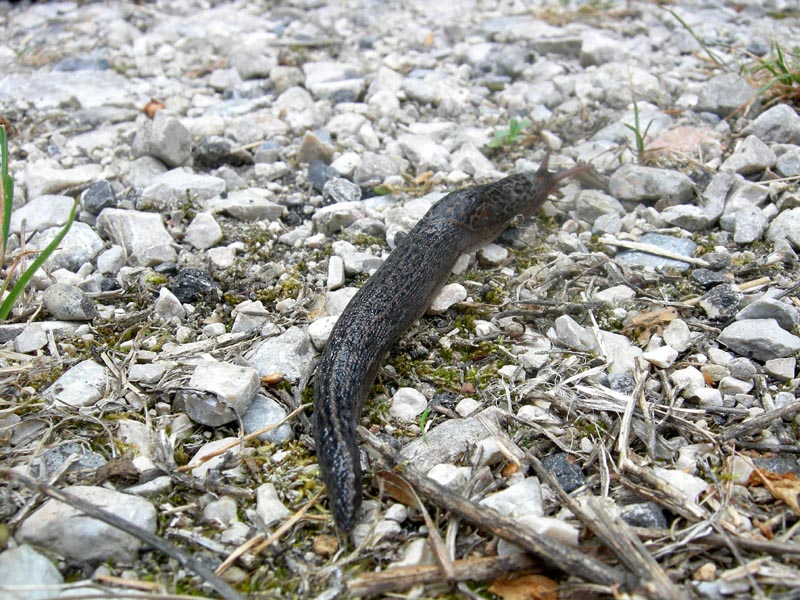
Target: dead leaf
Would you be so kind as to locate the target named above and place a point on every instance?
(649, 323)
(784, 487)
(272, 378)
(152, 107)
(527, 587)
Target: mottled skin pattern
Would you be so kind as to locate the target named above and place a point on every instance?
(392, 299)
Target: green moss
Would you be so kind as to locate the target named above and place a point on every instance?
(154, 279)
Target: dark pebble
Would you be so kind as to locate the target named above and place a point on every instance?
(569, 474)
(646, 514)
(319, 173)
(109, 284)
(98, 196)
(215, 151)
(708, 278)
(190, 284)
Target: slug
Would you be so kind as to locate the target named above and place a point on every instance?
(397, 294)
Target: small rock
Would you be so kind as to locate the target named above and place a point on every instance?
(110, 261)
(763, 339)
(615, 296)
(448, 441)
(407, 404)
(42, 213)
(780, 124)
(204, 231)
(337, 189)
(785, 314)
(708, 278)
(336, 273)
(233, 449)
(637, 183)
(232, 388)
(424, 153)
(751, 156)
(786, 226)
(191, 284)
(677, 335)
(493, 254)
(663, 357)
(635, 258)
(722, 301)
(290, 353)
(215, 151)
(68, 303)
(142, 235)
(450, 294)
(69, 533)
(724, 94)
(32, 338)
(568, 473)
(164, 138)
(167, 305)
(330, 219)
(314, 149)
(23, 566)
(250, 204)
(568, 332)
(172, 189)
(687, 381)
(782, 369)
(644, 514)
(517, 500)
(265, 412)
(269, 508)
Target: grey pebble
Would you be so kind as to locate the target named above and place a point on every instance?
(763, 339)
(68, 303)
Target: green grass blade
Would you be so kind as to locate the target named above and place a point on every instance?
(8, 302)
(7, 190)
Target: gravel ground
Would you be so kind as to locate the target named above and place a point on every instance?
(611, 385)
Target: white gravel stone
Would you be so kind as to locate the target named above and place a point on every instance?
(32, 338)
(517, 500)
(142, 235)
(110, 261)
(407, 404)
(330, 219)
(204, 231)
(265, 412)
(41, 213)
(269, 508)
(232, 389)
(25, 569)
(82, 385)
(172, 189)
(320, 330)
(467, 406)
(615, 296)
(290, 353)
(68, 533)
(449, 475)
(763, 339)
(232, 447)
(450, 294)
(167, 306)
(677, 335)
(662, 357)
(493, 254)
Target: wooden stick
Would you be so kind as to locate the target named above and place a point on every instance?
(617, 537)
(186, 560)
(759, 422)
(555, 554)
(652, 249)
(395, 579)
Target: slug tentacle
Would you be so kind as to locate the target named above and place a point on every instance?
(390, 301)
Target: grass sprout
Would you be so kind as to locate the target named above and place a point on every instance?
(6, 205)
(509, 135)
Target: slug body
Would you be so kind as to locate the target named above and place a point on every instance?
(397, 294)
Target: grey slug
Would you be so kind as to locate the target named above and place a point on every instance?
(395, 296)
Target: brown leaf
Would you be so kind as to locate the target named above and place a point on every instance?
(272, 378)
(784, 487)
(152, 107)
(527, 587)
